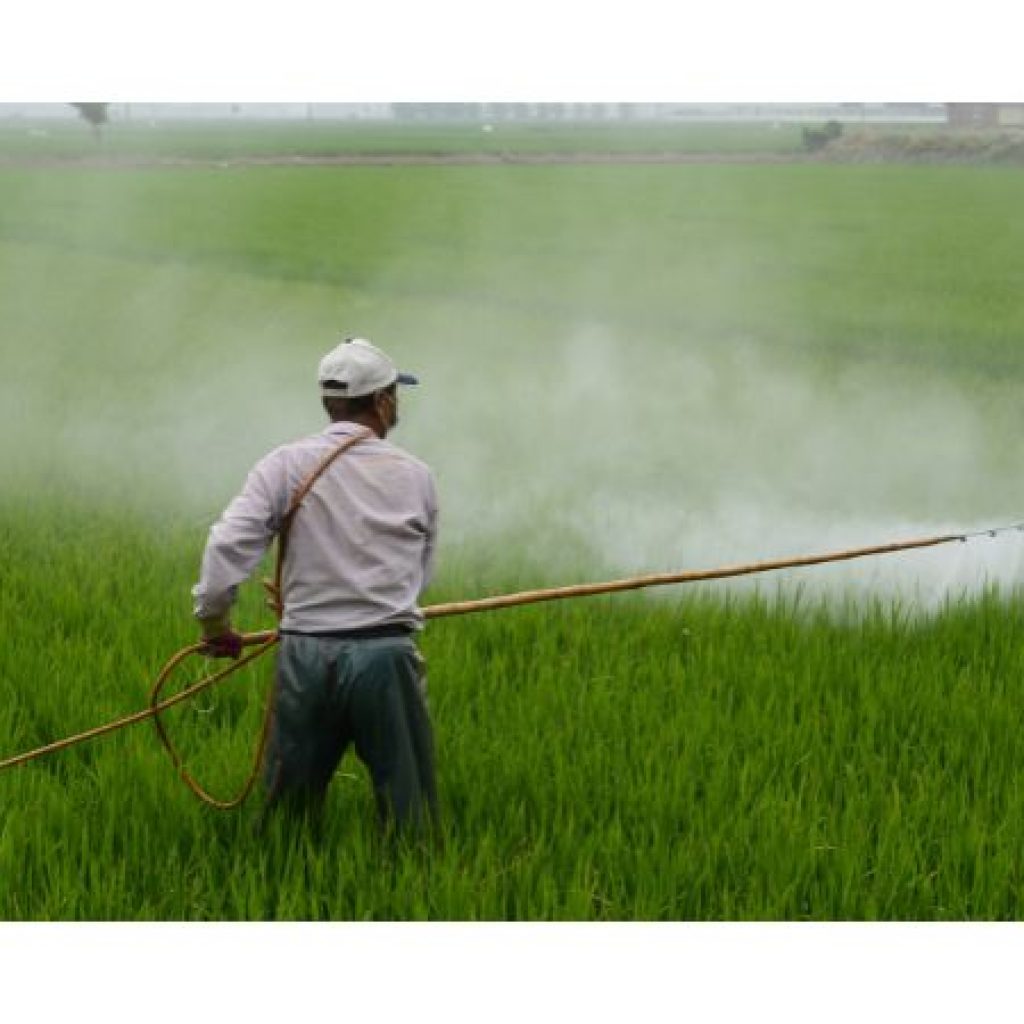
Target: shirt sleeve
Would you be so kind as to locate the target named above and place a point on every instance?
(430, 546)
(239, 539)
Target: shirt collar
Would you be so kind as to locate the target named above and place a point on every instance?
(346, 428)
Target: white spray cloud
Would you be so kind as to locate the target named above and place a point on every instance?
(576, 447)
(650, 457)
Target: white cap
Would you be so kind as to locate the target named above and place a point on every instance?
(355, 367)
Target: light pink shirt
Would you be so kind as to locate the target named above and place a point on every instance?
(360, 549)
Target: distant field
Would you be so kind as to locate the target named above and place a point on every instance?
(624, 368)
(230, 140)
(226, 141)
(890, 261)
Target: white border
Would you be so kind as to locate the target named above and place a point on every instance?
(527, 51)
(497, 973)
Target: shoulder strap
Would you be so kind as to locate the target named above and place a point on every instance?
(274, 588)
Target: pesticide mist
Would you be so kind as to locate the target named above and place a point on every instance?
(652, 458)
(663, 401)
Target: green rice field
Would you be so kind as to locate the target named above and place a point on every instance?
(224, 139)
(626, 368)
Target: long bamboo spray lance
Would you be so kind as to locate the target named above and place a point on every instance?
(266, 640)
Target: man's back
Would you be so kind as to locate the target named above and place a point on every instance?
(360, 550)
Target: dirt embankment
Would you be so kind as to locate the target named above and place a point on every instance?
(855, 146)
(399, 159)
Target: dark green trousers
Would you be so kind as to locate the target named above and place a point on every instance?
(370, 692)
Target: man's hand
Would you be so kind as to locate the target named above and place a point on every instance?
(219, 640)
(227, 645)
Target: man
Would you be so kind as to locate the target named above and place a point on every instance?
(359, 551)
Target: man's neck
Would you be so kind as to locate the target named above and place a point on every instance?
(368, 420)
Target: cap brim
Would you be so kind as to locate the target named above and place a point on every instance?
(407, 378)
